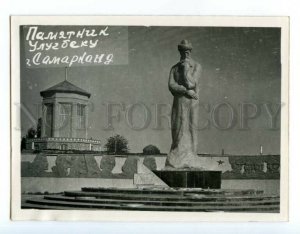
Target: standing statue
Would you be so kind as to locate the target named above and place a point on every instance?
(184, 86)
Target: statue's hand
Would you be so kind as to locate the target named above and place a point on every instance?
(185, 65)
(192, 94)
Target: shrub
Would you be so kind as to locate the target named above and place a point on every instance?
(150, 150)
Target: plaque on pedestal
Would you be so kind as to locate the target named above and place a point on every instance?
(190, 178)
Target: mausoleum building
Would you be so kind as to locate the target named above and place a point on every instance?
(64, 120)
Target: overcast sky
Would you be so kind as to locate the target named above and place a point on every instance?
(239, 65)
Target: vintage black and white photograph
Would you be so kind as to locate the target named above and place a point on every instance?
(162, 115)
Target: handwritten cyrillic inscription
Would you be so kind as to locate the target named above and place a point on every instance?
(66, 46)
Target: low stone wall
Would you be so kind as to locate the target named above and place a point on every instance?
(78, 166)
(269, 186)
(253, 167)
(58, 185)
(125, 166)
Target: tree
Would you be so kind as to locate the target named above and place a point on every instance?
(23, 143)
(31, 133)
(39, 128)
(150, 150)
(117, 145)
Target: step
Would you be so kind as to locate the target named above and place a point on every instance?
(48, 207)
(165, 197)
(136, 206)
(173, 191)
(162, 203)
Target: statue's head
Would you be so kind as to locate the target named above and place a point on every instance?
(185, 48)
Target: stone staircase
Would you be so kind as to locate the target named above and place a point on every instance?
(158, 199)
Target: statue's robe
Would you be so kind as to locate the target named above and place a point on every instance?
(184, 119)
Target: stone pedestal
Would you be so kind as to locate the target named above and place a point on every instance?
(190, 178)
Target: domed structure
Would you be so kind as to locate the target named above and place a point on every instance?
(65, 119)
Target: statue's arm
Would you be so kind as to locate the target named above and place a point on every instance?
(174, 87)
